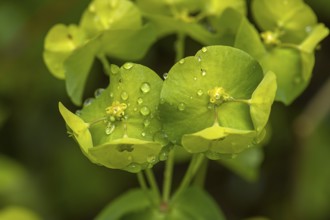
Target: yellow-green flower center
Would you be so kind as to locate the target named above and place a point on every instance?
(116, 110)
(270, 38)
(218, 95)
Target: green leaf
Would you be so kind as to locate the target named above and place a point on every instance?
(123, 120)
(216, 7)
(192, 204)
(16, 212)
(102, 15)
(195, 204)
(293, 18)
(79, 129)
(130, 202)
(166, 25)
(77, 67)
(60, 42)
(287, 64)
(246, 164)
(214, 86)
(127, 44)
(317, 34)
(261, 101)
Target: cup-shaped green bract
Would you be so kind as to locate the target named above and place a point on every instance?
(217, 7)
(217, 102)
(291, 20)
(60, 42)
(110, 14)
(120, 127)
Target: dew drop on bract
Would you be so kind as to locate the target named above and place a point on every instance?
(130, 158)
(140, 101)
(98, 92)
(195, 78)
(203, 72)
(165, 75)
(128, 66)
(114, 69)
(143, 134)
(111, 95)
(78, 112)
(163, 156)
(146, 123)
(110, 128)
(181, 61)
(199, 59)
(145, 87)
(151, 159)
(145, 111)
(200, 92)
(204, 49)
(181, 106)
(124, 96)
(133, 168)
(88, 101)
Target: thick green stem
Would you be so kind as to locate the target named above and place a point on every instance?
(168, 174)
(179, 46)
(144, 187)
(194, 165)
(153, 184)
(201, 174)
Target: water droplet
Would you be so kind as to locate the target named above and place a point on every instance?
(204, 49)
(210, 106)
(163, 156)
(200, 92)
(195, 78)
(110, 128)
(151, 159)
(181, 61)
(146, 123)
(203, 72)
(191, 97)
(143, 134)
(133, 168)
(98, 92)
(130, 158)
(145, 87)
(181, 106)
(139, 101)
(128, 66)
(114, 69)
(233, 156)
(135, 109)
(165, 75)
(88, 101)
(78, 112)
(111, 95)
(145, 111)
(199, 59)
(124, 96)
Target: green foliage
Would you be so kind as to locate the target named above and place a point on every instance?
(215, 104)
(193, 203)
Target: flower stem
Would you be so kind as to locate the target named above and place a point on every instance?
(194, 165)
(153, 184)
(201, 174)
(105, 63)
(144, 187)
(179, 46)
(168, 174)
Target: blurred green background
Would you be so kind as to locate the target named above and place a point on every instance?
(43, 174)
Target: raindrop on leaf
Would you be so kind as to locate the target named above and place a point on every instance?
(145, 87)
(145, 111)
